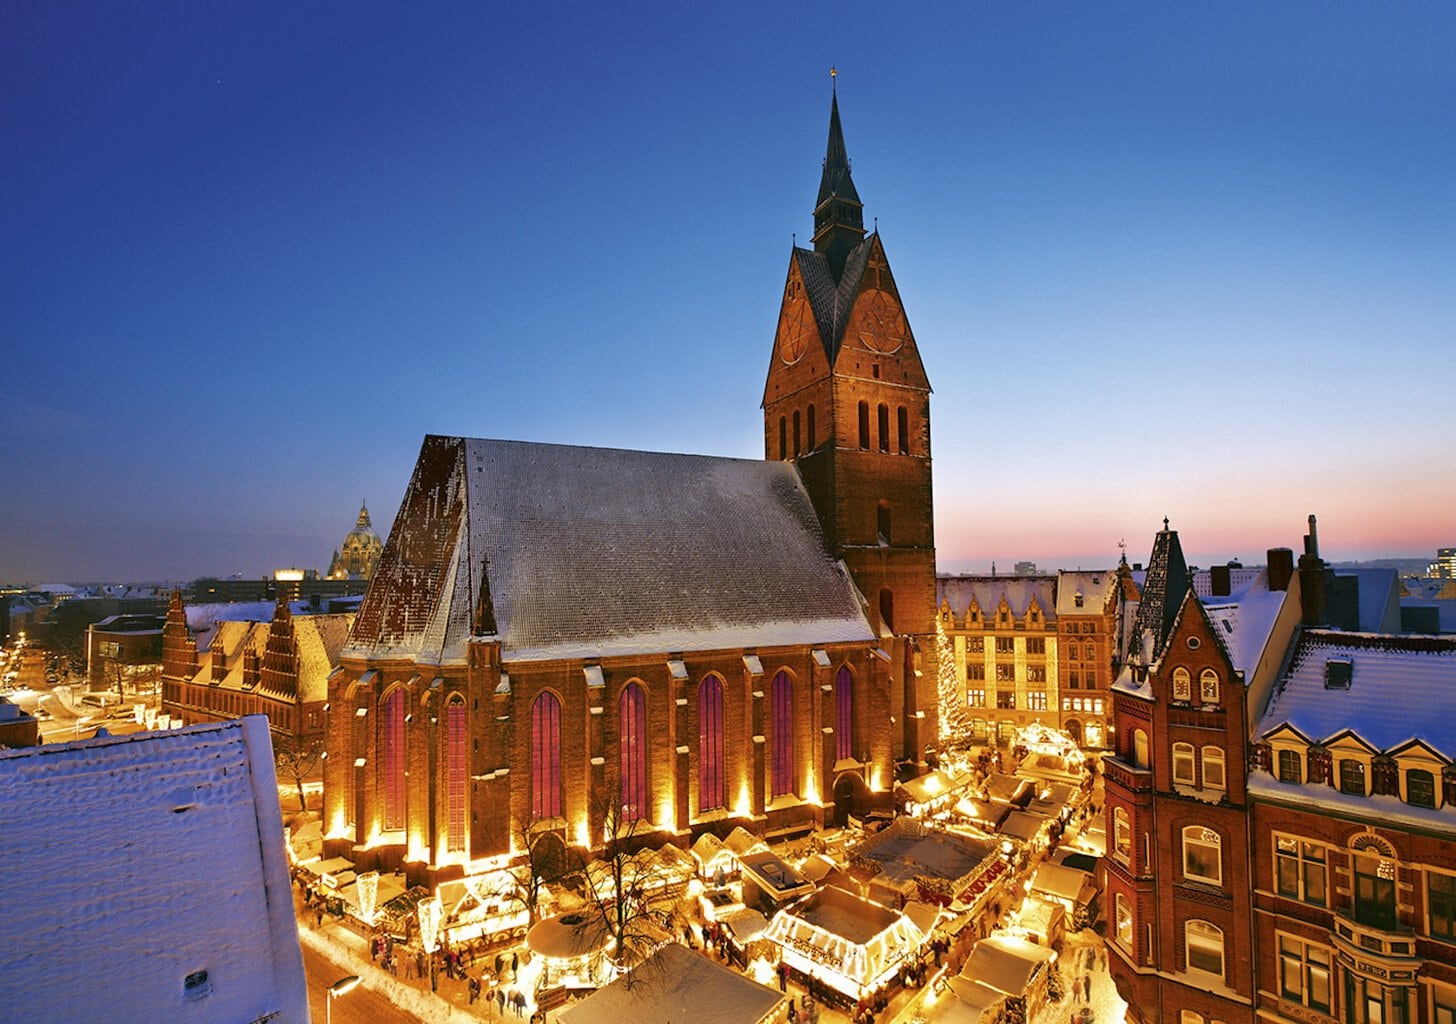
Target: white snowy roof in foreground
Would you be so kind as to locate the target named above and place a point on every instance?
(571, 552)
(140, 862)
(676, 984)
(1399, 688)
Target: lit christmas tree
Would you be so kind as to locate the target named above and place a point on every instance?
(955, 726)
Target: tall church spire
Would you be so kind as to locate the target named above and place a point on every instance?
(838, 213)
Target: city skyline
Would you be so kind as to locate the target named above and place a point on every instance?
(1193, 265)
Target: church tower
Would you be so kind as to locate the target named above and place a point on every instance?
(848, 401)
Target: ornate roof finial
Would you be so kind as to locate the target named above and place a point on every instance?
(833, 74)
(1165, 522)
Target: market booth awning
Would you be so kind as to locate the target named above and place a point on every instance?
(1008, 965)
(851, 944)
(674, 984)
(569, 936)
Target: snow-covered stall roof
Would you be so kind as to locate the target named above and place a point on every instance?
(1376, 682)
(1061, 882)
(675, 984)
(851, 943)
(160, 856)
(1005, 963)
(911, 851)
(564, 551)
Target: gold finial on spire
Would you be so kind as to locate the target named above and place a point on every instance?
(833, 72)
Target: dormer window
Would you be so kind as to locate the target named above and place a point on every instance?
(1420, 788)
(1338, 673)
(1077, 599)
(1290, 769)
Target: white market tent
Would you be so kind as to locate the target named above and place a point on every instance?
(675, 984)
(851, 944)
(1007, 964)
(1067, 886)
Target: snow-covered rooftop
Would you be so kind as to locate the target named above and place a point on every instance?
(987, 591)
(1093, 586)
(154, 865)
(675, 984)
(1399, 688)
(564, 551)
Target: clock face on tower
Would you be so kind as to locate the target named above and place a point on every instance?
(795, 330)
(883, 322)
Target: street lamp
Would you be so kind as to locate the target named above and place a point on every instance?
(338, 988)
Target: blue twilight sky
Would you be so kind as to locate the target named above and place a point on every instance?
(1195, 260)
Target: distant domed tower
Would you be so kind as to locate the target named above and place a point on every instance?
(359, 553)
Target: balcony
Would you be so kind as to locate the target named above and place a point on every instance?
(1120, 773)
(1365, 940)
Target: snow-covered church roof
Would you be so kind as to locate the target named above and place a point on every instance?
(153, 864)
(562, 552)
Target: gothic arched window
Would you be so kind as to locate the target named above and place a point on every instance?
(394, 760)
(711, 791)
(457, 774)
(844, 714)
(864, 425)
(546, 757)
(902, 417)
(783, 735)
(632, 734)
(883, 415)
(813, 441)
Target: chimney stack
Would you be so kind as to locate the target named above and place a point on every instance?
(1220, 580)
(1281, 568)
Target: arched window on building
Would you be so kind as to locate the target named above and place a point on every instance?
(711, 790)
(1203, 947)
(1121, 834)
(844, 714)
(394, 816)
(882, 522)
(1122, 921)
(883, 415)
(546, 757)
(1140, 748)
(813, 439)
(457, 775)
(782, 698)
(797, 449)
(783, 438)
(902, 418)
(1182, 684)
(1208, 686)
(632, 743)
(1202, 855)
(864, 425)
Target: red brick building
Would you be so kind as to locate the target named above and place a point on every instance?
(559, 638)
(1090, 607)
(1178, 899)
(221, 662)
(1354, 833)
(1281, 803)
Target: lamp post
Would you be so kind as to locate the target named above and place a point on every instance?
(338, 988)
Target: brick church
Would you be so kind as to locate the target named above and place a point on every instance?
(562, 639)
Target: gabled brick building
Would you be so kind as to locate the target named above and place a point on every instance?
(224, 662)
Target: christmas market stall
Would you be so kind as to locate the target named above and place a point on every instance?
(675, 984)
(852, 945)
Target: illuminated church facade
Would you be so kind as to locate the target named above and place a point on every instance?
(561, 640)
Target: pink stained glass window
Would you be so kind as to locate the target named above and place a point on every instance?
(711, 793)
(782, 782)
(844, 714)
(546, 757)
(632, 726)
(457, 771)
(394, 760)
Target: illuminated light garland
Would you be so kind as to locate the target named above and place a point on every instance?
(430, 912)
(955, 726)
(367, 885)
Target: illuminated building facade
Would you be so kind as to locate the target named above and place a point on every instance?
(560, 640)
